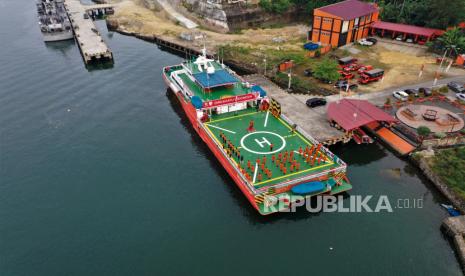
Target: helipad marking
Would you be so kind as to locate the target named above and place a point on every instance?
(266, 118)
(255, 172)
(265, 132)
(223, 129)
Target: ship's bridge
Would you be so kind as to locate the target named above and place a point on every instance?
(213, 84)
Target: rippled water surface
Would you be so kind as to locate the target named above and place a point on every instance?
(101, 174)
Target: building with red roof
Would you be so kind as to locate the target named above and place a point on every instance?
(343, 23)
(406, 31)
(351, 114)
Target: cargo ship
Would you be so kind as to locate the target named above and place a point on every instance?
(271, 160)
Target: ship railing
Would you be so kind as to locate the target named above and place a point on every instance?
(314, 141)
(250, 187)
(302, 179)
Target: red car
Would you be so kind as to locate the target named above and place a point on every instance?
(364, 68)
(351, 67)
(346, 75)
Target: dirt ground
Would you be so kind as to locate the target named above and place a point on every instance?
(402, 64)
(251, 46)
(132, 16)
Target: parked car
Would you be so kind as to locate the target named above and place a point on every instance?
(346, 75)
(364, 68)
(314, 102)
(460, 96)
(425, 91)
(352, 86)
(399, 38)
(308, 72)
(400, 95)
(351, 67)
(372, 40)
(422, 42)
(340, 83)
(456, 87)
(409, 40)
(414, 92)
(365, 42)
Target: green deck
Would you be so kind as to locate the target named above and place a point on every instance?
(215, 93)
(267, 128)
(345, 186)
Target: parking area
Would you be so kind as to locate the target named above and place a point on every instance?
(313, 120)
(404, 63)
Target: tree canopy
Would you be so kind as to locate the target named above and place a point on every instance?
(453, 41)
(326, 69)
(280, 6)
(423, 131)
(429, 13)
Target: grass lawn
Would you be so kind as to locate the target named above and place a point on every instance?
(449, 165)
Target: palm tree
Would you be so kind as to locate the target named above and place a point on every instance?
(452, 40)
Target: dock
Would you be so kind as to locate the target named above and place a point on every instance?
(91, 44)
(312, 120)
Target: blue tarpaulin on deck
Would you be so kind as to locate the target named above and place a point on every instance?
(308, 188)
(259, 89)
(219, 78)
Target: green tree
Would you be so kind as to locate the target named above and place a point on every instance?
(326, 69)
(277, 6)
(445, 13)
(453, 40)
(423, 131)
(430, 13)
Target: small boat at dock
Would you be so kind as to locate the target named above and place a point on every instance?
(451, 210)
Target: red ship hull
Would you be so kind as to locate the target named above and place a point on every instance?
(191, 113)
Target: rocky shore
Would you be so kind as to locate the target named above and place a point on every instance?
(454, 227)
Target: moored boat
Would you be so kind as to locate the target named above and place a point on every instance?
(264, 152)
(53, 21)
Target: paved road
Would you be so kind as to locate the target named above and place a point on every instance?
(379, 98)
(176, 15)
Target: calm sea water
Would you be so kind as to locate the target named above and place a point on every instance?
(101, 174)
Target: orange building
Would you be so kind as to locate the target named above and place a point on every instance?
(344, 22)
(460, 60)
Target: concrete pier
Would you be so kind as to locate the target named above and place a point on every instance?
(455, 229)
(311, 120)
(91, 44)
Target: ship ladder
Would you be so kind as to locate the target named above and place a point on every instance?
(271, 191)
(259, 198)
(339, 177)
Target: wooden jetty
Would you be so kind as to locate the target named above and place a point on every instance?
(92, 46)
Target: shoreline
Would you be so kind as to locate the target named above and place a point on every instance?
(453, 227)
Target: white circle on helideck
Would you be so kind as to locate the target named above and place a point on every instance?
(265, 132)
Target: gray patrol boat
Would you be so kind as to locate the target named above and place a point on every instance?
(53, 20)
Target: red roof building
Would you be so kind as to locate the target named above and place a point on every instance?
(349, 9)
(351, 114)
(343, 23)
(396, 29)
